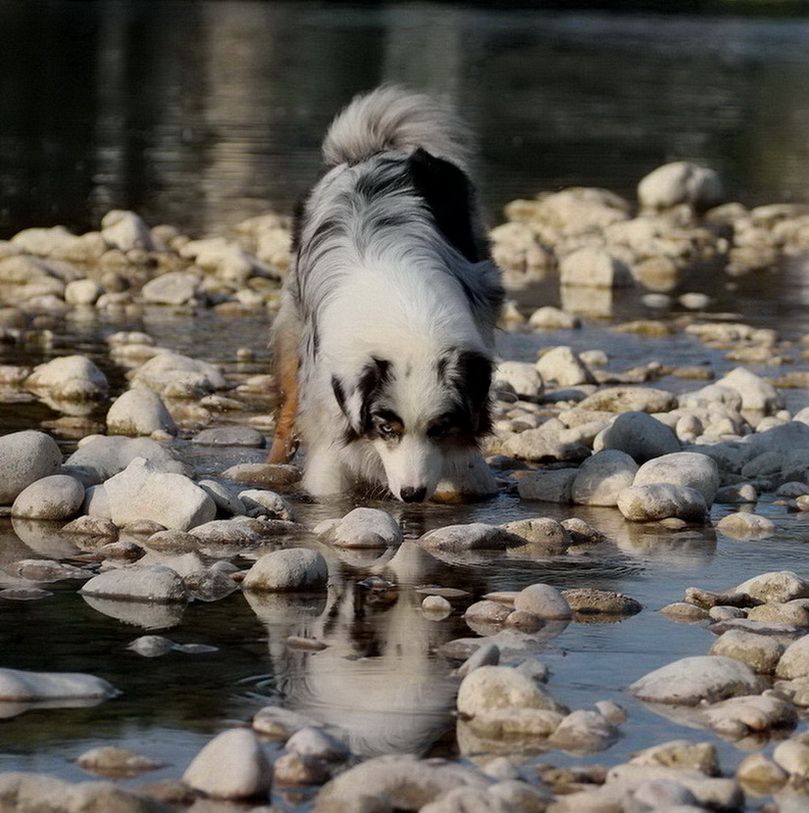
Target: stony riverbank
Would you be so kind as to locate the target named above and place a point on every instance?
(109, 506)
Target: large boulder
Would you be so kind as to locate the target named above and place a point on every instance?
(680, 182)
(691, 469)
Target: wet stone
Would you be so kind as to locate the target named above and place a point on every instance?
(25, 457)
(295, 569)
(230, 436)
(115, 762)
(760, 652)
(361, 528)
(57, 497)
(589, 601)
(744, 525)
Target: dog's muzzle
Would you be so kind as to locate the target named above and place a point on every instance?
(410, 494)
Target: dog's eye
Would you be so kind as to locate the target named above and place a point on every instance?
(386, 430)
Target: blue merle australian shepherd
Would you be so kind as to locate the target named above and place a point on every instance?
(383, 345)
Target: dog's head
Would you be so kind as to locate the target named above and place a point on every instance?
(415, 411)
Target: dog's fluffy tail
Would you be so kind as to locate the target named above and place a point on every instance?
(392, 118)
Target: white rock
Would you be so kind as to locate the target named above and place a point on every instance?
(227, 258)
(176, 376)
(20, 686)
(484, 655)
(97, 503)
(629, 399)
(69, 378)
(230, 436)
(521, 376)
(550, 318)
(691, 469)
(491, 688)
(155, 583)
(462, 800)
(793, 757)
(760, 652)
(639, 435)
(689, 681)
(475, 536)
(139, 411)
(661, 501)
(57, 497)
(757, 394)
(584, 732)
(393, 781)
(362, 528)
(142, 491)
(174, 288)
(777, 586)
(543, 601)
(593, 267)
(680, 182)
(745, 525)
(311, 741)
(226, 501)
(25, 457)
(82, 292)
(232, 765)
(602, 477)
(794, 663)
(739, 717)
(562, 365)
(126, 231)
(260, 502)
(293, 569)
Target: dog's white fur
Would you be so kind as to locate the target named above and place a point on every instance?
(373, 278)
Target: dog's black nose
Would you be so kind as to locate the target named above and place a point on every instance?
(410, 494)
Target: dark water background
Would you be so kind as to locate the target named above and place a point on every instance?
(201, 113)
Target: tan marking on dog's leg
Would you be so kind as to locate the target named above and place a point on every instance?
(285, 443)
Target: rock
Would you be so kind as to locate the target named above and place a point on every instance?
(756, 393)
(266, 475)
(139, 411)
(25, 457)
(680, 182)
(639, 435)
(38, 793)
(745, 525)
(151, 646)
(107, 456)
(738, 717)
(436, 606)
(475, 536)
(593, 267)
(232, 765)
(549, 485)
(155, 583)
(311, 741)
(760, 774)
(550, 318)
(562, 365)
(760, 652)
(630, 399)
(486, 612)
(682, 755)
(737, 494)
(142, 491)
(794, 663)
(176, 376)
(69, 378)
(490, 689)
(294, 569)
(544, 533)
(361, 528)
(17, 686)
(277, 723)
(259, 502)
(584, 732)
(57, 497)
(661, 500)
(297, 771)
(226, 258)
(691, 469)
(115, 762)
(82, 292)
(589, 601)
(462, 800)
(543, 601)
(226, 501)
(689, 681)
(683, 611)
(793, 757)
(97, 503)
(544, 443)
(790, 613)
(405, 783)
(230, 436)
(174, 288)
(602, 477)
(774, 587)
(521, 376)
(127, 231)
(98, 528)
(484, 655)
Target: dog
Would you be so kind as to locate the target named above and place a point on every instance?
(383, 343)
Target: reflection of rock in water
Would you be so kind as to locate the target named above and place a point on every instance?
(45, 538)
(149, 616)
(378, 679)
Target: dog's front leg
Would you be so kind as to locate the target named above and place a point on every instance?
(324, 473)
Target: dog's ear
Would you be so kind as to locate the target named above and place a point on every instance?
(473, 379)
(356, 401)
